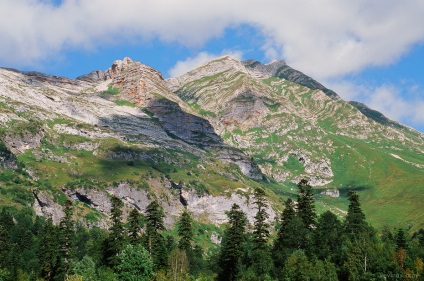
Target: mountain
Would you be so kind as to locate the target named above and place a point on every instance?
(203, 140)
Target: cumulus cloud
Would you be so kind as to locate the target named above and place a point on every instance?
(322, 38)
(184, 66)
(403, 103)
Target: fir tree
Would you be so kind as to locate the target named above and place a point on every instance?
(48, 251)
(134, 226)
(261, 227)
(5, 246)
(400, 240)
(66, 232)
(232, 245)
(261, 258)
(355, 219)
(153, 240)
(6, 219)
(328, 237)
(287, 239)
(305, 204)
(185, 232)
(116, 240)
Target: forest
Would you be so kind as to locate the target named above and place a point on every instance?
(300, 245)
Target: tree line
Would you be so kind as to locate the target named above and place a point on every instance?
(301, 245)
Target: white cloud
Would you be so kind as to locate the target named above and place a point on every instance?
(324, 39)
(403, 103)
(184, 66)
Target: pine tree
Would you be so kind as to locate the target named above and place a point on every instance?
(6, 219)
(185, 232)
(261, 257)
(5, 246)
(287, 240)
(400, 240)
(305, 204)
(154, 217)
(328, 237)
(135, 225)
(66, 234)
(153, 239)
(116, 239)
(261, 227)
(48, 251)
(355, 219)
(232, 245)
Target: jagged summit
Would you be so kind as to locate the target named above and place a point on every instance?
(202, 141)
(259, 70)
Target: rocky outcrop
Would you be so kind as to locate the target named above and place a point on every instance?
(45, 205)
(214, 207)
(259, 70)
(331, 192)
(19, 142)
(93, 77)
(8, 160)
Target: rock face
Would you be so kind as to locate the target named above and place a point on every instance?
(8, 160)
(200, 141)
(331, 192)
(214, 207)
(45, 205)
(21, 141)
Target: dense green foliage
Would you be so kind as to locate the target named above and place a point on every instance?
(324, 248)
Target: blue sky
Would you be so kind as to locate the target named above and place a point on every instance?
(370, 51)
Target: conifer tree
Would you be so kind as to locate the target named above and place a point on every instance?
(135, 225)
(48, 251)
(185, 232)
(328, 237)
(153, 240)
(232, 245)
(116, 240)
(66, 231)
(287, 235)
(5, 246)
(400, 240)
(261, 257)
(305, 204)
(355, 219)
(261, 227)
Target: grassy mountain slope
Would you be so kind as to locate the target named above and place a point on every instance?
(202, 140)
(295, 130)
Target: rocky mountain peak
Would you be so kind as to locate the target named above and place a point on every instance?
(259, 70)
(117, 67)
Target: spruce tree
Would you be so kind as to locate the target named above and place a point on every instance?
(261, 227)
(328, 237)
(134, 226)
(232, 245)
(283, 245)
(153, 239)
(185, 232)
(66, 231)
(261, 257)
(5, 246)
(355, 219)
(116, 239)
(48, 251)
(400, 240)
(305, 204)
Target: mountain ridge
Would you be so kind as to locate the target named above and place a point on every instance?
(215, 132)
